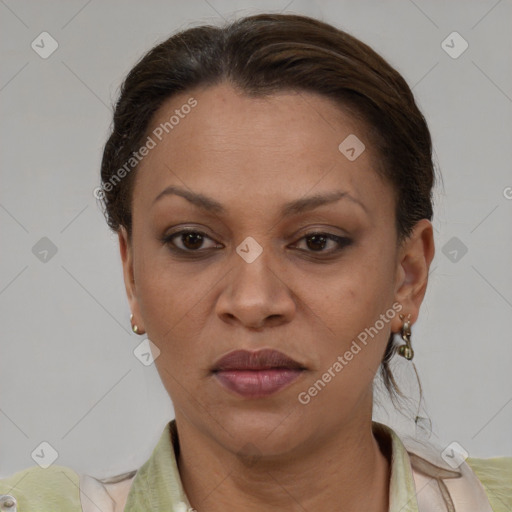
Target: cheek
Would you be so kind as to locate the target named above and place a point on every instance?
(165, 297)
(167, 290)
(357, 292)
(349, 361)
(356, 305)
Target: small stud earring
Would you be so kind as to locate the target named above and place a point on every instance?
(406, 350)
(135, 329)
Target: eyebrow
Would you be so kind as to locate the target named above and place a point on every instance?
(289, 209)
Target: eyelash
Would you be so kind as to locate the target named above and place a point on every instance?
(168, 240)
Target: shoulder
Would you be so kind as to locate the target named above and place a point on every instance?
(55, 488)
(495, 474)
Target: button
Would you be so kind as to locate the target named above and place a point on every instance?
(7, 503)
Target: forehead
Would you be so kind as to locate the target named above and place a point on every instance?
(273, 148)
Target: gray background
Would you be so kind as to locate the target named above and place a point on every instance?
(68, 375)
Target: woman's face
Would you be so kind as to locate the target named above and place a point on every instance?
(254, 276)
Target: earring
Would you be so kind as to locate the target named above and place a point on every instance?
(406, 350)
(135, 329)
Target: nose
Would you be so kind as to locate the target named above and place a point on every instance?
(256, 293)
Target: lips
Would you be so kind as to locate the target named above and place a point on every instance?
(265, 359)
(256, 374)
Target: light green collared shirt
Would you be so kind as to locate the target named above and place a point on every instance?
(157, 485)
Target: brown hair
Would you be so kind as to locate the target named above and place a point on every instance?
(268, 53)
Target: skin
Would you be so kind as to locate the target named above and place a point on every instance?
(253, 155)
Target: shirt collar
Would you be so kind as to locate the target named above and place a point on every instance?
(157, 485)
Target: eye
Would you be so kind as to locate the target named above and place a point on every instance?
(187, 241)
(318, 241)
(190, 241)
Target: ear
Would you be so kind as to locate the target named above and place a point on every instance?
(414, 258)
(126, 250)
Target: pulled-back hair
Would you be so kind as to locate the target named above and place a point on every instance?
(269, 53)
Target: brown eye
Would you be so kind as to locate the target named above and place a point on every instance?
(317, 242)
(192, 240)
(187, 241)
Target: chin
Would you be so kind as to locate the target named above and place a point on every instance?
(262, 432)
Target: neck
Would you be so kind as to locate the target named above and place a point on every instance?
(347, 472)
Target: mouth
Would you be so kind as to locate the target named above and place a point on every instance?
(256, 374)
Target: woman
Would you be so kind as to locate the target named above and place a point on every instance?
(270, 183)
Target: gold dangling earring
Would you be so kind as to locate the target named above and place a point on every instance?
(135, 329)
(406, 350)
